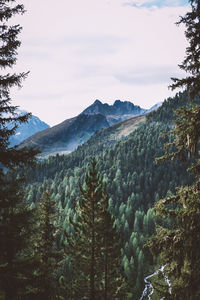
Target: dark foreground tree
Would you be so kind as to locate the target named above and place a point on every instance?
(94, 247)
(191, 63)
(8, 52)
(15, 218)
(16, 256)
(178, 244)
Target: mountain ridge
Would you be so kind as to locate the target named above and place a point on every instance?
(66, 136)
(25, 130)
(69, 134)
(117, 112)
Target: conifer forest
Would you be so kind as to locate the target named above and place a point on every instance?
(96, 223)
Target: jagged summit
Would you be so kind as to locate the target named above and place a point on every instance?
(97, 102)
(71, 133)
(119, 111)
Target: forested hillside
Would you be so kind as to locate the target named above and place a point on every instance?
(134, 182)
(94, 224)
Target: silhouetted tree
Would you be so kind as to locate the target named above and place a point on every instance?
(16, 221)
(178, 240)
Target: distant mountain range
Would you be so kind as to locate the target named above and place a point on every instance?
(27, 129)
(68, 135)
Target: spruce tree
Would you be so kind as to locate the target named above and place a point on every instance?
(47, 250)
(8, 53)
(94, 246)
(17, 224)
(16, 219)
(178, 245)
(191, 62)
(114, 286)
(178, 240)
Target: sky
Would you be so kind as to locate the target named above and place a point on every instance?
(79, 51)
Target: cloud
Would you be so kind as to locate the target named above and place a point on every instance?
(79, 51)
(156, 3)
(148, 76)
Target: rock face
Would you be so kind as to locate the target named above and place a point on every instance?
(26, 130)
(67, 135)
(119, 111)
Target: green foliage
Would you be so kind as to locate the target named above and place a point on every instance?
(186, 134)
(177, 240)
(94, 245)
(179, 247)
(16, 219)
(191, 62)
(8, 52)
(46, 250)
(16, 256)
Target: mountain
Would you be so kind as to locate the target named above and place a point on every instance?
(107, 137)
(119, 111)
(66, 136)
(156, 106)
(25, 130)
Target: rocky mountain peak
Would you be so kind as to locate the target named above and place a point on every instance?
(117, 112)
(97, 102)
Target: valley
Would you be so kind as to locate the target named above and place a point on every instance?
(126, 154)
(104, 205)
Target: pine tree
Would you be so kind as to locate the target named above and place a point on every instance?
(191, 63)
(8, 52)
(94, 248)
(179, 246)
(178, 240)
(47, 251)
(114, 286)
(16, 219)
(17, 261)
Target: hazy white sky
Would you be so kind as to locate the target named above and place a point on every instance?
(78, 51)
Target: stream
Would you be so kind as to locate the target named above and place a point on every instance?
(149, 290)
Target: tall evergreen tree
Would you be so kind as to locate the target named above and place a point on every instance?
(114, 286)
(15, 217)
(191, 63)
(187, 130)
(178, 244)
(47, 251)
(16, 256)
(8, 52)
(94, 248)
